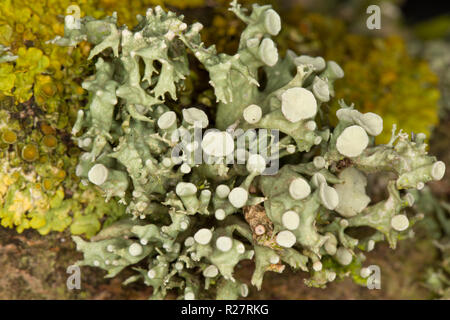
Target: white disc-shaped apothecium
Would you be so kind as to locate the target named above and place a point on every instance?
(218, 143)
(210, 271)
(268, 52)
(328, 196)
(317, 62)
(222, 191)
(311, 125)
(331, 275)
(290, 148)
(317, 266)
(438, 170)
(240, 248)
(371, 122)
(252, 114)
(400, 222)
(285, 239)
(244, 290)
(290, 220)
(319, 162)
(335, 70)
(189, 241)
(167, 119)
(256, 163)
(135, 249)
(203, 236)
(224, 243)
(274, 259)
(184, 189)
(364, 272)
(98, 174)
(195, 116)
(298, 104)
(317, 179)
(299, 189)
(272, 22)
(166, 162)
(185, 168)
(151, 273)
(344, 256)
(352, 141)
(238, 197)
(189, 296)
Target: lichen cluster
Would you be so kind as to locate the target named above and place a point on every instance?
(40, 94)
(189, 222)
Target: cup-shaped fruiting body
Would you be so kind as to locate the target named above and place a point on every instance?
(412, 179)
(272, 22)
(167, 121)
(30, 152)
(299, 189)
(256, 163)
(333, 71)
(438, 170)
(321, 89)
(319, 162)
(224, 243)
(238, 197)
(371, 122)
(268, 52)
(352, 192)
(285, 239)
(328, 196)
(298, 104)
(222, 191)
(135, 249)
(400, 222)
(343, 256)
(352, 141)
(203, 236)
(195, 116)
(290, 220)
(211, 271)
(188, 194)
(98, 174)
(9, 136)
(195, 218)
(317, 62)
(218, 143)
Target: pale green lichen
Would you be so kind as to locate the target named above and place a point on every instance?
(190, 223)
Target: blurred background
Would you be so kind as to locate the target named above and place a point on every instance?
(400, 71)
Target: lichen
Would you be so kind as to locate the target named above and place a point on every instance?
(190, 221)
